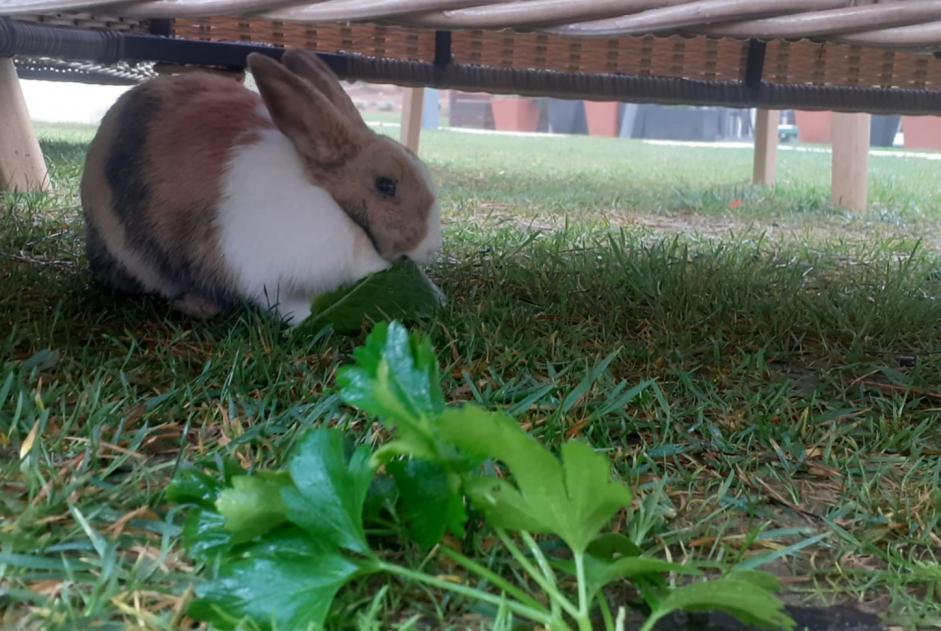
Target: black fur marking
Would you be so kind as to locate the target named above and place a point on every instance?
(105, 268)
(126, 172)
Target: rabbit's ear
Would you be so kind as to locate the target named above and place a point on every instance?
(308, 65)
(321, 134)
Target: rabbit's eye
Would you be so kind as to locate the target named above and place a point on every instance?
(385, 186)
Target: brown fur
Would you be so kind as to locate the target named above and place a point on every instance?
(190, 142)
(152, 183)
(313, 69)
(399, 223)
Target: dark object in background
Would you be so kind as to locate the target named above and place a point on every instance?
(566, 116)
(882, 130)
(470, 109)
(839, 618)
(735, 123)
(665, 122)
(816, 127)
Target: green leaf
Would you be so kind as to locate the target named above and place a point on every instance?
(381, 497)
(612, 545)
(643, 572)
(504, 506)
(609, 549)
(252, 505)
(764, 580)
(329, 489)
(430, 502)
(193, 485)
(746, 601)
(394, 374)
(288, 581)
(401, 292)
(600, 572)
(573, 498)
(395, 377)
(204, 535)
(593, 497)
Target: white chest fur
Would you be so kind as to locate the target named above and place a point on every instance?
(283, 239)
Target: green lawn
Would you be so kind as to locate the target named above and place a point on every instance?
(795, 351)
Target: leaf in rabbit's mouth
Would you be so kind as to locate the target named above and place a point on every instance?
(402, 292)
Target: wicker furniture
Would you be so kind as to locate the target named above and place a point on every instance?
(843, 55)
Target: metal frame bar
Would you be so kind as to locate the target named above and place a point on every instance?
(755, 64)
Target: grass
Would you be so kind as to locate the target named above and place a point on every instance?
(790, 416)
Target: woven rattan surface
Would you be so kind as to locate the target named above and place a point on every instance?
(689, 57)
(371, 40)
(901, 23)
(87, 20)
(646, 38)
(810, 47)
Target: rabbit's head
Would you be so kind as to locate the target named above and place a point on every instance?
(383, 187)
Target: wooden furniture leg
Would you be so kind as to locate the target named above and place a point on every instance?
(850, 160)
(766, 147)
(21, 164)
(411, 117)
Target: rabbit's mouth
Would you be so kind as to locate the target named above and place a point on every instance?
(421, 257)
(424, 252)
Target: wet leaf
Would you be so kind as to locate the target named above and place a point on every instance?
(401, 292)
(288, 581)
(329, 489)
(430, 505)
(253, 505)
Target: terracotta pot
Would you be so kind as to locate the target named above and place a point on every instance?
(603, 119)
(515, 114)
(814, 127)
(922, 132)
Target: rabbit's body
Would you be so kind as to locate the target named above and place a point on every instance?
(204, 192)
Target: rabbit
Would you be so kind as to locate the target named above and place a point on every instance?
(211, 195)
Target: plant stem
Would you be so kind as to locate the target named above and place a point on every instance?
(652, 619)
(583, 620)
(539, 556)
(530, 613)
(550, 589)
(543, 565)
(496, 579)
(621, 622)
(606, 613)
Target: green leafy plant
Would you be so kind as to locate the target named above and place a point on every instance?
(401, 292)
(278, 545)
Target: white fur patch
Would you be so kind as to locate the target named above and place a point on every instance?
(283, 239)
(137, 267)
